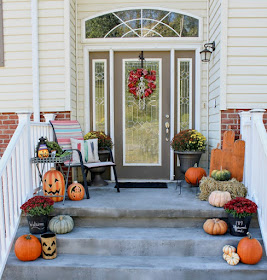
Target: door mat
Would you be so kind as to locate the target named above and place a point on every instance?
(139, 185)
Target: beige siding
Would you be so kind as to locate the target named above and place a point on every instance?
(214, 73)
(52, 55)
(16, 75)
(247, 54)
(73, 95)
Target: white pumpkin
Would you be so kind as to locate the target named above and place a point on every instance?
(228, 249)
(218, 198)
(232, 259)
(61, 224)
(224, 256)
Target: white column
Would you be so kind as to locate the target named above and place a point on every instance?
(49, 117)
(24, 117)
(245, 130)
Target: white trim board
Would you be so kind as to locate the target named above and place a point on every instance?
(105, 93)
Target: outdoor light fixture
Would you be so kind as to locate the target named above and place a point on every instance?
(206, 53)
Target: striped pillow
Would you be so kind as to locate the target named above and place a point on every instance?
(88, 149)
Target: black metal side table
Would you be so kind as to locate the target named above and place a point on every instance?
(40, 165)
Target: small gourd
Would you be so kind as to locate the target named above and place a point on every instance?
(228, 249)
(61, 224)
(232, 259)
(221, 175)
(224, 256)
(215, 226)
(218, 198)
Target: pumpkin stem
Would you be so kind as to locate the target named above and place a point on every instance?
(249, 235)
(28, 237)
(60, 218)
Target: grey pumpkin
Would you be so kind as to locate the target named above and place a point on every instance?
(61, 224)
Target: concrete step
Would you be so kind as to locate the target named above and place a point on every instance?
(143, 241)
(67, 266)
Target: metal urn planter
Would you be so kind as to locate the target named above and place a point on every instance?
(97, 180)
(188, 159)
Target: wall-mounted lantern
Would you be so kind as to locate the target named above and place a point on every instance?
(206, 53)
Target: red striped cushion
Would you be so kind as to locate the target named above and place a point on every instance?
(64, 130)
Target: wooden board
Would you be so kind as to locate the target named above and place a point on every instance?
(231, 157)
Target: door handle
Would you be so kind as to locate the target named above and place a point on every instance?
(167, 126)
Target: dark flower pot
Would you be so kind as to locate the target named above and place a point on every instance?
(38, 224)
(188, 159)
(238, 226)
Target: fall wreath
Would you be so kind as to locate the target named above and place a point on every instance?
(141, 83)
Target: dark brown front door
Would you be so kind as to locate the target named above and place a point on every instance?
(142, 144)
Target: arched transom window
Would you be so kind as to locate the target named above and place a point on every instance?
(142, 23)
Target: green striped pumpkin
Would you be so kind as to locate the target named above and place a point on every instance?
(221, 175)
(61, 224)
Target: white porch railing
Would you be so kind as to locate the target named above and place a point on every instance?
(255, 169)
(18, 179)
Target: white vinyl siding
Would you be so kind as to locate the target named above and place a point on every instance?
(52, 55)
(247, 54)
(16, 74)
(214, 73)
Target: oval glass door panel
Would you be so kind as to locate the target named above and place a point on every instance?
(142, 118)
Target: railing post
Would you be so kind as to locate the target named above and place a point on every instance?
(49, 117)
(256, 116)
(245, 130)
(25, 117)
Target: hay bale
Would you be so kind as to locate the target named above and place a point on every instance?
(208, 185)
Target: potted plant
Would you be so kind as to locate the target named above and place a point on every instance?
(189, 145)
(104, 144)
(240, 211)
(37, 210)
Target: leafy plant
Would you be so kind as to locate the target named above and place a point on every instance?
(38, 205)
(240, 207)
(53, 146)
(103, 139)
(189, 140)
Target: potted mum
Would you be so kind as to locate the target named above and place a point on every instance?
(240, 211)
(104, 145)
(37, 210)
(189, 145)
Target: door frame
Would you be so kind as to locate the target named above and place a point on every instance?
(164, 46)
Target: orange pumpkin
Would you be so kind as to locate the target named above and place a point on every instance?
(193, 175)
(28, 248)
(76, 191)
(54, 184)
(249, 250)
(215, 227)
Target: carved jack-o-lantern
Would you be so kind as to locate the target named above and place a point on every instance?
(49, 246)
(54, 184)
(76, 191)
(43, 151)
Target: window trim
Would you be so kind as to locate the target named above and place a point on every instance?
(142, 39)
(2, 63)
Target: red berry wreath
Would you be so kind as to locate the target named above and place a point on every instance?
(135, 81)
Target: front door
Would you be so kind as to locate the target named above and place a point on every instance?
(141, 138)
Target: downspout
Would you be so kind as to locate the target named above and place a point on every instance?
(35, 61)
(208, 1)
(76, 57)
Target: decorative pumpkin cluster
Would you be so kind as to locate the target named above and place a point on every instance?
(189, 140)
(103, 139)
(241, 207)
(38, 205)
(230, 255)
(149, 80)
